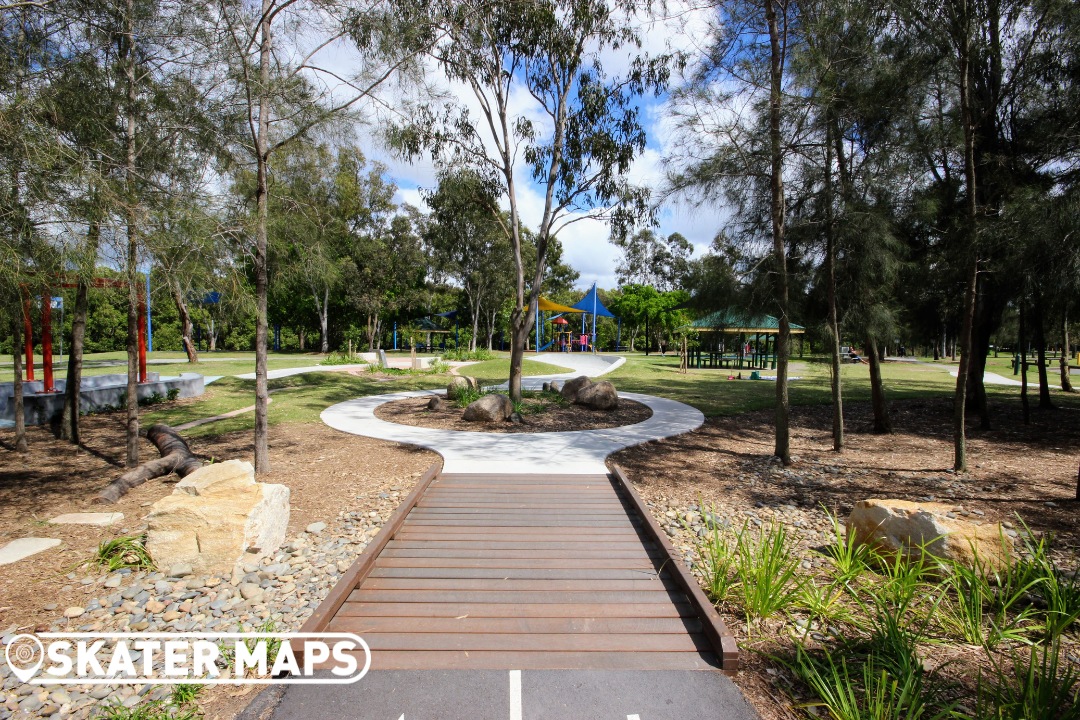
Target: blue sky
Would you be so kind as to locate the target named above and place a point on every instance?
(585, 243)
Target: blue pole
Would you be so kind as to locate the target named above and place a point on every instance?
(149, 325)
(395, 334)
(594, 317)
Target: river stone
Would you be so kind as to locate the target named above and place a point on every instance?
(216, 515)
(598, 396)
(489, 408)
(902, 526)
(572, 387)
(437, 404)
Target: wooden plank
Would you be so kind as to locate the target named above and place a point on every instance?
(617, 511)
(642, 563)
(364, 564)
(537, 642)
(527, 609)
(515, 584)
(722, 639)
(533, 530)
(381, 571)
(589, 525)
(431, 533)
(514, 554)
(508, 660)
(361, 625)
(511, 545)
(485, 597)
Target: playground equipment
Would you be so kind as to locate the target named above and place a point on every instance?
(48, 383)
(588, 305)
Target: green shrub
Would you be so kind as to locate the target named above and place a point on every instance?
(1036, 687)
(123, 552)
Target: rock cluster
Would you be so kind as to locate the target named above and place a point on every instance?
(598, 396)
(216, 518)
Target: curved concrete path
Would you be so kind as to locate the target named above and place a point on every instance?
(577, 452)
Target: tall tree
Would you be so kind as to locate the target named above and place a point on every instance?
(732, 112)
(579, 154)
(282, 55)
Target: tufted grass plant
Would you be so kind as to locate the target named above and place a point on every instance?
(767, 568)
(1038, 685)
(124, 552)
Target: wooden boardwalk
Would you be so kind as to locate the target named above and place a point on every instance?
(525, 572)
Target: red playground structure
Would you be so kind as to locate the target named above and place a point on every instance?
(46, 331)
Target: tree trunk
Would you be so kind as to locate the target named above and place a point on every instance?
(132, 243)
(17, 385)
(834, 321)
(1040, 349)
(300, 334)
(980, 348)
(324, 331)
(970, 242)
(882, 421)
(262, 152)
(783, 338)
(186, 329)
(1063, 361)
(475, 327)
(69, 424)
(1024, 366)
(175, 457)
(213, 336)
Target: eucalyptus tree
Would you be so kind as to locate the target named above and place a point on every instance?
(286, 59)
(575, 137)
(738, 122)
(467, 241)
(648, 259)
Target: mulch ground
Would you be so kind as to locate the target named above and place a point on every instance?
(540, 416)
(1021, 470)
(320, 465)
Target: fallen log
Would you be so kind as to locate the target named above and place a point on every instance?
(175, 457)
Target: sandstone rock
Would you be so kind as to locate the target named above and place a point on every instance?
(571, 389)
(598, 396)
(489, 408)
(457, 386)
(74, 611)
(437, 404)
(554, 386)
(214, 516)
(474, 384)
(903, 526)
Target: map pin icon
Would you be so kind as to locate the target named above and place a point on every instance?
(21, 653)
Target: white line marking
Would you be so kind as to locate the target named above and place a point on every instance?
(515, 695)
(628, 717)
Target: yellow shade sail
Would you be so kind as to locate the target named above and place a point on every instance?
(548, 306)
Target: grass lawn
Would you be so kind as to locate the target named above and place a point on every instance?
(709, 390)
(493, 372)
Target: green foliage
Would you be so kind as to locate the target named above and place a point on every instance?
(717, 552)
(1039, 686)
(478, 354)
(124, 552)
(767, 567)
(185, 694)
(862, 689)
(849, 556)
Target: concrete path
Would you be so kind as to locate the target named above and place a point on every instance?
(580, 451)
(517, 694)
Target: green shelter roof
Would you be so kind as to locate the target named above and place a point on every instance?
(741, 322)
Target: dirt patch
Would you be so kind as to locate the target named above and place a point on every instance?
(326, 470)
(727, 466)
(541, 415)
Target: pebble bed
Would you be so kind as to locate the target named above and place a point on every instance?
(276, 594)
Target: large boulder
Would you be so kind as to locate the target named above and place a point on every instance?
(571, 388)
(598, 396)
(489, 408)
(217, 517)
(457, 386)
(901, 526)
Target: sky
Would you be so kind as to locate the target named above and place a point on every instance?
(586, 246)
